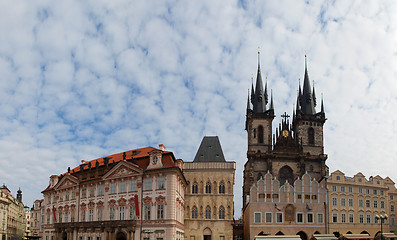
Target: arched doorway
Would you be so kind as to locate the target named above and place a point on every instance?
(207, 234)
(364, 232)
(279, 233)
(286, 174)
(121, 236)
(4, 237)
(64, 236)
(303, 235)
(317, 232)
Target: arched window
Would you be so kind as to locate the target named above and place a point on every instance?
(286, 174)
(194, 212)
(221, 212)
(208, 187)
(260, 134)
(310, 134)
(221, 188)
(208, 212)
(195, 187)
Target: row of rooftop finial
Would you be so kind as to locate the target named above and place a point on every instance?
(305, 103)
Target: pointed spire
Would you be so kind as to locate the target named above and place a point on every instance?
(252, 90)
(259, 105)
(307, 98)
(271, 100)
(322, 103)
(248, 100)
(266, 95)
(298, 105)
(314, 96)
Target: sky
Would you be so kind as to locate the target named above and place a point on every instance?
(86, 79)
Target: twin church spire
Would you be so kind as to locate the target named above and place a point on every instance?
(306, 100)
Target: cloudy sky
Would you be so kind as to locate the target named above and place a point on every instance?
(86, 79)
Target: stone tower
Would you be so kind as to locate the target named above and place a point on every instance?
(294, 149)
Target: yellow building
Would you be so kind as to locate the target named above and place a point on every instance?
(4, 203)
(209, 195)
(354, 203)
(12, 223)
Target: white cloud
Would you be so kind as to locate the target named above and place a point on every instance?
(81, 80)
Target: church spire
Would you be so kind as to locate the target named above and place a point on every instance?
(266, 95)
(259, 104)
(271, 100)
(248, 101)
(322, 104)
(307, 103)
(314, 96)
(252, 90)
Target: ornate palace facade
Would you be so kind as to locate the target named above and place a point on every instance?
(137, 194)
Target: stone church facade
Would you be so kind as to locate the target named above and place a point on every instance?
(294, 150)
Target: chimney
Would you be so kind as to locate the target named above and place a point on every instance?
(162, 147)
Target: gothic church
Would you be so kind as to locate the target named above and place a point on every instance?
(294, 149)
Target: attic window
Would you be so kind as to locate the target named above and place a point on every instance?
(217, 155)
(209, 146)
(201, 155)
(337, 177)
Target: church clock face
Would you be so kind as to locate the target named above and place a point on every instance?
(285, 133)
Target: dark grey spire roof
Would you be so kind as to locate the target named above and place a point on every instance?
(259, 104)
(306, 100)
(210, 150)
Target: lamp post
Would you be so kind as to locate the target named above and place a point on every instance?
(382, 218)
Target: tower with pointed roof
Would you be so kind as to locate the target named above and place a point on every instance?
(294, 149)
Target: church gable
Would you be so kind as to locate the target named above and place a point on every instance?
(122, 169)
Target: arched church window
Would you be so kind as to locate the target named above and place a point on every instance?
(195, 187)
(286, 174)
(260, 134)
(208, 212)
(311, 135)
(221, 212)
(208, 187)
(194, 212)
(221, 188)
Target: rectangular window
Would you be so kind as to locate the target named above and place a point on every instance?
(343, 202)
(98, 238)
(100, 190)
(393, 221)
(148, 184)
(48, 218)
(368, 203)
(121, 213)
(320, 218)
(360, 203)
(91, 215)
(299, 217)
(368, 218)
(83, 193)
(160, 183)
(342, 189)
(360, 190)
(133, 185)
(146, 211)
(392, 208)
(382, 193)
(350, 202)
(391, 197)
(72, 216)
(112, 188)
(375, 203)
(367, 191)
(268, 217)
(350, 189)
(257, 217)
(334, 188)
(112, 212)
(343, 217)
(334, 201)
(310, 218)
(73, 195)
(160, 211)
(334, 217)
(375, 192)
(66, 216)
(382, 204)
(67, 196)
(361, 218)
(279, 217)
(351, 218)
(122, 187)
(92, 191)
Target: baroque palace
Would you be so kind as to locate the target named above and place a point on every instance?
(149, 194)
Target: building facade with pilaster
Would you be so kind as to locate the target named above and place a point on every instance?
(138, 194)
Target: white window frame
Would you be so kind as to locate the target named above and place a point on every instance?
(255, 217)
(303, 217)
